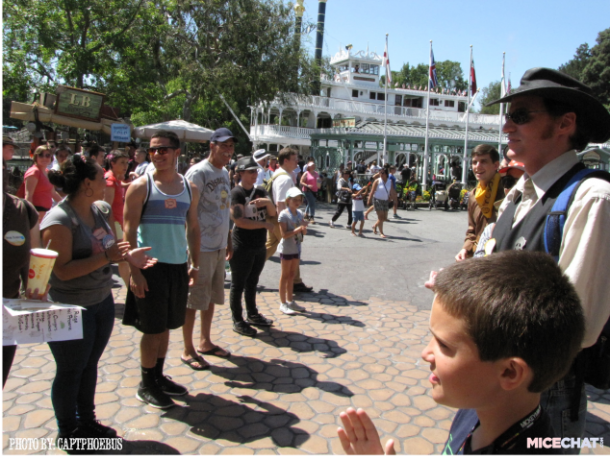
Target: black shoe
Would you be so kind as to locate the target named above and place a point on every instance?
(72, 442)
(301, 288)
(170, 387)
(154, 397)
(259, 320)
(244, 329)
(94, 429)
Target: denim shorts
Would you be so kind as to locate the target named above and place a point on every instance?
(357, 216)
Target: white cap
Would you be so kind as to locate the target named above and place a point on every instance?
(294, 192)
(260, 155)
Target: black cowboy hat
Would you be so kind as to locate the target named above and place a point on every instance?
(552, 84)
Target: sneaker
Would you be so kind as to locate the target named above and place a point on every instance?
(295, 307)
(285, 309)
(154, 397)
(301, 288)
(96, 430)
(244, 329)
(396, 216)
(259, 320)
(331, 224)
(170, 387)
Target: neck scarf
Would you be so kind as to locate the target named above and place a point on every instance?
(485, 195)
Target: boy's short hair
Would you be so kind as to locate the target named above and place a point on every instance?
(517, 304)
(286, 153)
(487, 149)
(173, 137)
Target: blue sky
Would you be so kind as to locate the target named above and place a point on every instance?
(532, 33)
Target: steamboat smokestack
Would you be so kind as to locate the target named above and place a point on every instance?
(319, 42)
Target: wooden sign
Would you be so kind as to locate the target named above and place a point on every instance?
(77, 103)
(344, 122)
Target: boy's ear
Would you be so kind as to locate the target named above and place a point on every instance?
(515, 373)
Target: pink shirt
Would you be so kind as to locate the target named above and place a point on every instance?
(311, 179)
(43, 193)
(119, 197)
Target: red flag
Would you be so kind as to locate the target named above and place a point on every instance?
(386, 63)
(473, 78)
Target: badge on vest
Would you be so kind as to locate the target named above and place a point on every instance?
(14, 238)
(489, 246)
(520, 244)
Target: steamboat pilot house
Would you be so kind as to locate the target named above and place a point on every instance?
(346, 121)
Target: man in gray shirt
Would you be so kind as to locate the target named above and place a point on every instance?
(213, 212)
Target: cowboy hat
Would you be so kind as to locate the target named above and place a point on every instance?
(554, 85)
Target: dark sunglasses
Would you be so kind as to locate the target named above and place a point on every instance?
(508, 182)
(161, 149)
(521, 116)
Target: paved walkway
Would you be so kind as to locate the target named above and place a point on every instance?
(280, 393)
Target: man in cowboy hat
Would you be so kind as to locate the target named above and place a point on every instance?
(8, 147)
(552, 117)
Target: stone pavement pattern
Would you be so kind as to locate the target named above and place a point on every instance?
(280, 393)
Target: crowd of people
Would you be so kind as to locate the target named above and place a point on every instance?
(511, 332)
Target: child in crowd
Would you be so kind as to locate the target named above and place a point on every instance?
(293, 228)
(357, 209)
(497, 343)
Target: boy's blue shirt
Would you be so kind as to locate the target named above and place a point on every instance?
(513, 441)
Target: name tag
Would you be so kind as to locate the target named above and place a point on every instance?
(14, 238)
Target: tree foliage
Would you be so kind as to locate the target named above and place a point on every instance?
(488, 94)
(592, 66)
(448, 73)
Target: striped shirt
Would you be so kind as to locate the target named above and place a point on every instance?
(163, 223)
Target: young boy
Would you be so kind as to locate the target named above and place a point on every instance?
(498, 342)
(357, 209)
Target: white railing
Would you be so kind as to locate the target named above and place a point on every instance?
(275, 131)
(378, 110)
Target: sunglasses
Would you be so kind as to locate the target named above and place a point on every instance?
(161, 149)
(521, 116)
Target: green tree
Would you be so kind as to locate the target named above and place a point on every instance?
(448, 73)
(596, 73)
(488, 94)
(577, 64)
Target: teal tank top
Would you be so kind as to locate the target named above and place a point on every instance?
(163, 223)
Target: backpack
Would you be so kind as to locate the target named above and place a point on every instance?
(268, 184)
(592, 362)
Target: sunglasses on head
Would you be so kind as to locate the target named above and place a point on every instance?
(161, 149)
(521, 116)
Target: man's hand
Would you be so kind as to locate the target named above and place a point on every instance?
(260, 202)
(462, 255)
(430, 282)
(193, 274)
(138, 258)
(229, 253)
(360, 436)
(138, 283)
(36, 295)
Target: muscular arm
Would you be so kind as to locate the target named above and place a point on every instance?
(238, 215)
(132, 213)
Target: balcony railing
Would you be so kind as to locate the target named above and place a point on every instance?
(366, 110)
(275, 131)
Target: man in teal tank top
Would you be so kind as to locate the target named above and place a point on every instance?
(158, 207)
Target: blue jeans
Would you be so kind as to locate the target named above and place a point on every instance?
(73, 390)
(557, 402)
(310, 209)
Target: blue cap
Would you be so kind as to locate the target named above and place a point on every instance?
(356, 186)
(222, 135)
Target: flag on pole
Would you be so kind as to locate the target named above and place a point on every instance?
(473, 78)
(508, 87)
(433, 82)
(502, 81)
(386, 62)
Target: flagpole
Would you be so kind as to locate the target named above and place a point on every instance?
(425, 173)
(385, 123)
(465, 159)
(502, 94)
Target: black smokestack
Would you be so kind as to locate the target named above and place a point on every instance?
(319, 42)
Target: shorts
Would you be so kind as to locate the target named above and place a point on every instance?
(209, 286)
(164, 305)
(289, 257)
(357, 216)
(380, 205)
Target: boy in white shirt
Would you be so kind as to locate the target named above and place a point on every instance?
(357, 210)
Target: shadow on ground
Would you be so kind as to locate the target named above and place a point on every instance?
(215, 418)
(277, 375)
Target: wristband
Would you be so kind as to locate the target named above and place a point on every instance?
(193, 268)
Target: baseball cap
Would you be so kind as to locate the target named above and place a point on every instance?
(512, 164)
(222, 135)
(246, 163)
(356, 186)
(8, 140)
(294, 192)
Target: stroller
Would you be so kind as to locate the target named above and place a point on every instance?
(453, 193)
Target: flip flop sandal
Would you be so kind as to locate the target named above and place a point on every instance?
(190, 363)
(214, 351)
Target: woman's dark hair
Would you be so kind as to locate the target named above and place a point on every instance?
(4, 186)
(72, 173)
